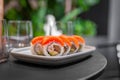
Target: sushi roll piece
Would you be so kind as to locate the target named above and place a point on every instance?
(67, 45)
(81, 42)
(53, 46)
(74, 44)
(36, 46)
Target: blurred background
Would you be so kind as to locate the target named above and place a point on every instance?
(90, 17)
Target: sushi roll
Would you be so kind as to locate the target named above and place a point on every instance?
(36, 46)
(67, 45)
(57, 45)
(74, 44)
(53, 46)
(81, 42)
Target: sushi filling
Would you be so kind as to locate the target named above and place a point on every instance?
(73, 48)
(80, 47)
(38, 49)
(65, 48)
(53, 49)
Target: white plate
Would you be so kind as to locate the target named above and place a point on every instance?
(26, 55)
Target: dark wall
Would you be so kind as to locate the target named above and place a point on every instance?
(99, 14)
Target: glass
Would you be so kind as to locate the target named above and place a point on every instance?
(70, 29)
(3, 41)
(58, 28)
(65, 28)
(19, 33)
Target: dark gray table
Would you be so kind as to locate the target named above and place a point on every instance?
(89, 68)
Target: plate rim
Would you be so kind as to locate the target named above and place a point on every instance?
(13, 53)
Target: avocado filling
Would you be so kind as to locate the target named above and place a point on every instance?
(53, 49)
(73, 48)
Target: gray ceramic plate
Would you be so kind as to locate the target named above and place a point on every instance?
(26, 55)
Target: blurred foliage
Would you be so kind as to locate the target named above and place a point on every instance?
(37, 14)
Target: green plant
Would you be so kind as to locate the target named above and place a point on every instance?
(37, 10)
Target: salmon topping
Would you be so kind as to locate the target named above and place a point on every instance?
(52, 39)
(37, 39)
(81, 39)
